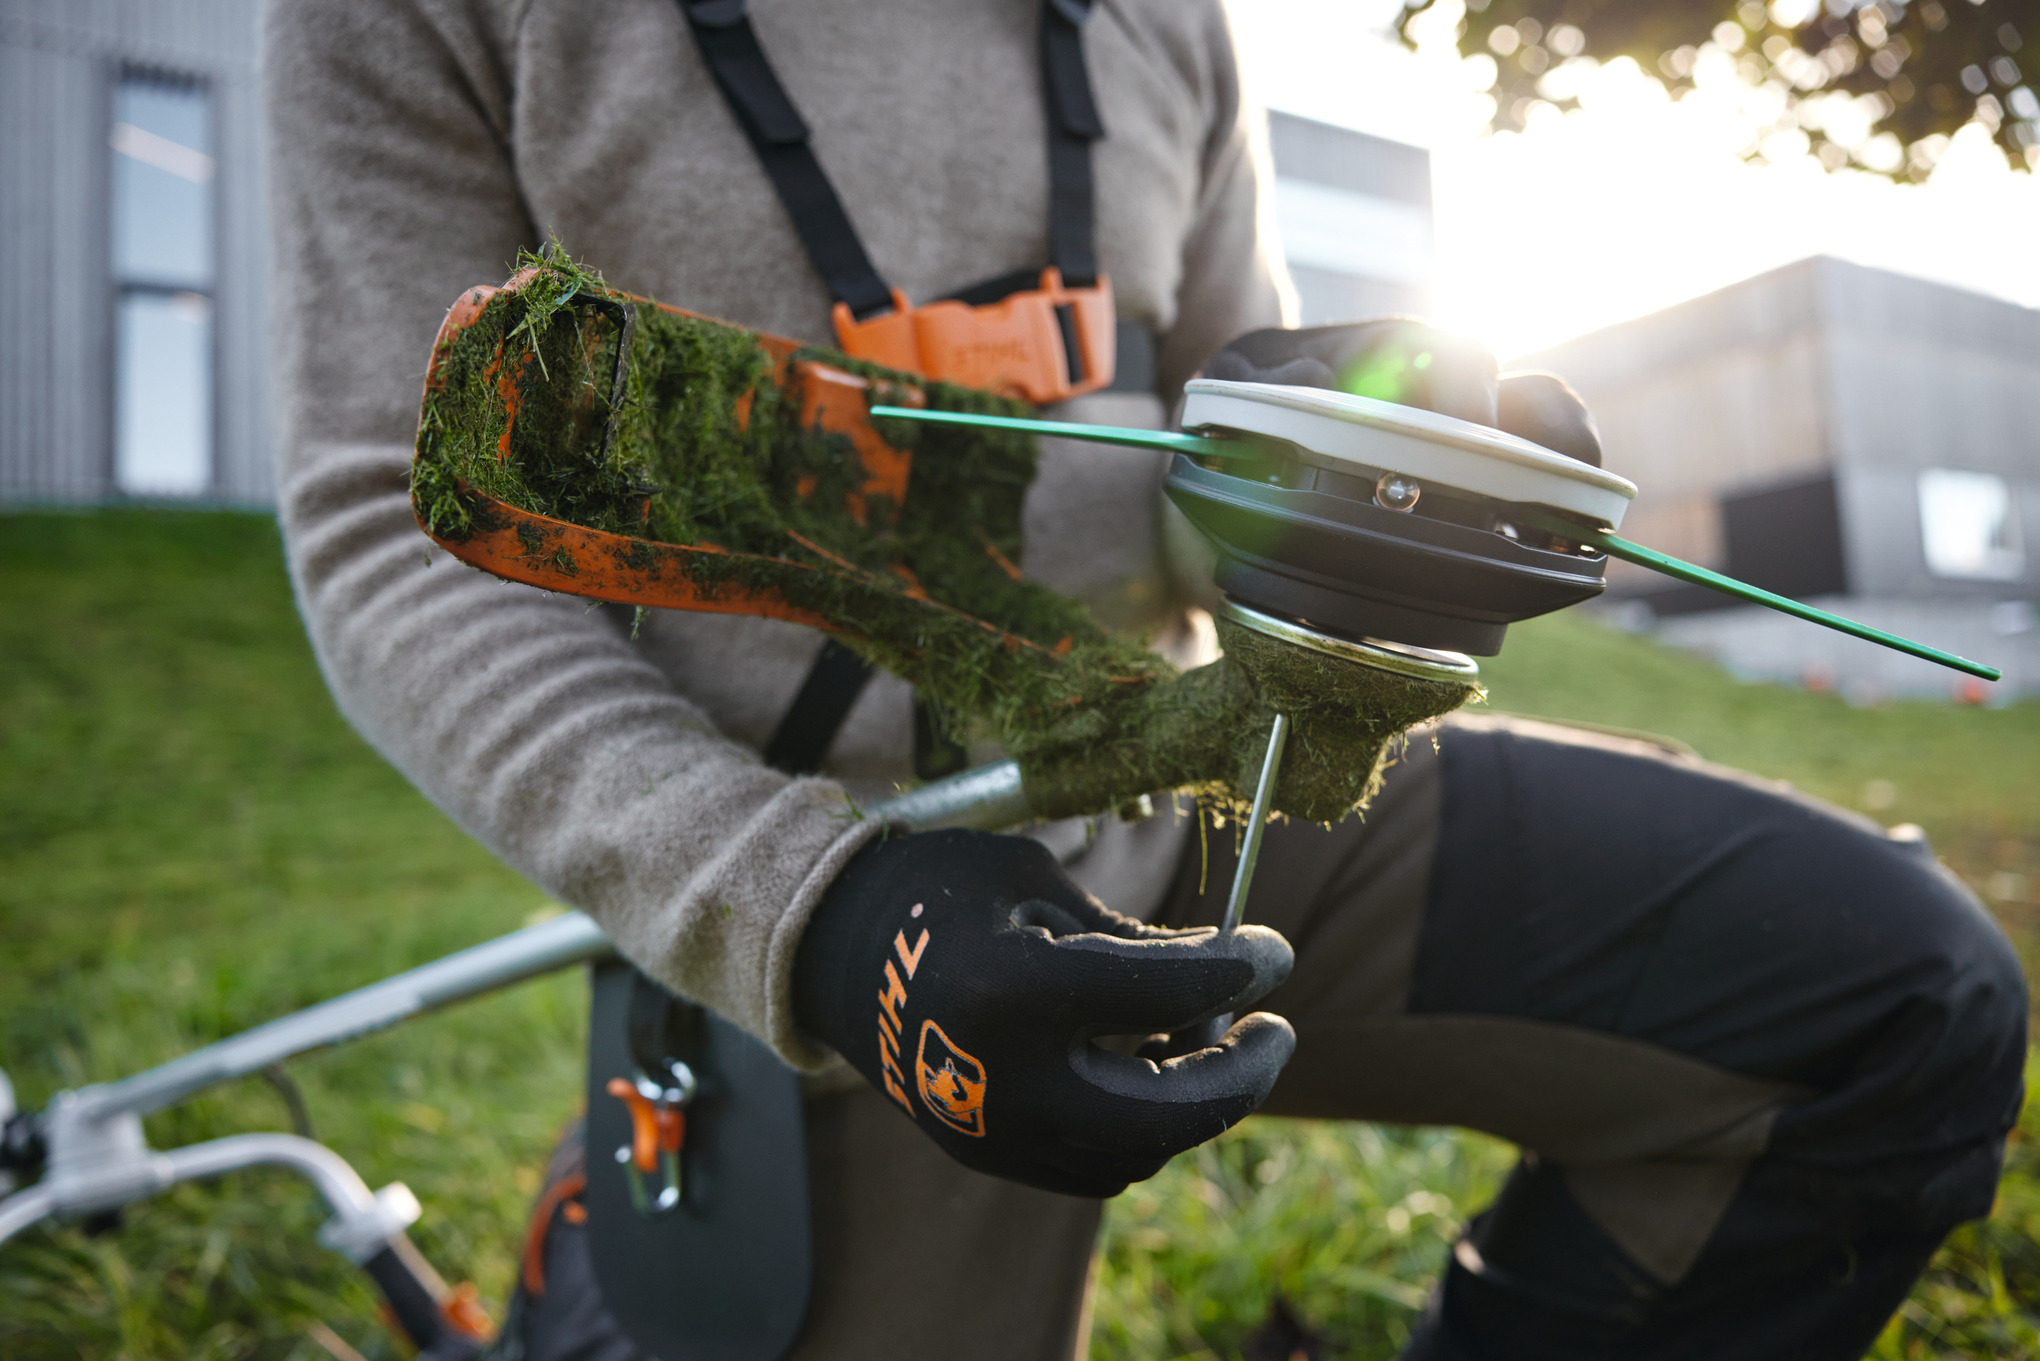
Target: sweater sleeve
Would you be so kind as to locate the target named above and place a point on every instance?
(527, 717)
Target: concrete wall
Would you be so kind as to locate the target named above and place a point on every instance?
(1820, 374)
(1718, 393)
(1821, 365)
(59, 63)
(1924, 376)
(1760, 645)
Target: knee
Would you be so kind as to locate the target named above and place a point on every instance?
(1967, 986)
(1969, 989)
(1934, 1077)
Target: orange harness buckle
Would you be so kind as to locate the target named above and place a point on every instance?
(1044, 344)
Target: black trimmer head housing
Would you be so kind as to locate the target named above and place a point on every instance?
(1387, 523)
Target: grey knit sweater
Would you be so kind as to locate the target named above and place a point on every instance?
(417, 145)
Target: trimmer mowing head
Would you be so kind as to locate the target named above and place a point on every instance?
(1370, 521)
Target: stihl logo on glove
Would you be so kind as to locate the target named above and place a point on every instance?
(956, 1090)
(951, 1082)
(891, 998)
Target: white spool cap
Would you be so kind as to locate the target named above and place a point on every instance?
(1343, 433)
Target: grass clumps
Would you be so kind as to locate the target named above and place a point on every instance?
(1208, 731)
(575, 402)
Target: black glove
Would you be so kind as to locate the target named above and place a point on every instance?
(967, 978)
(1413, 364)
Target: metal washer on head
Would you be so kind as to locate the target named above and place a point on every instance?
(1418, 663)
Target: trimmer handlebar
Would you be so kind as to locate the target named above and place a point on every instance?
(89, 1150)
(88, 1143)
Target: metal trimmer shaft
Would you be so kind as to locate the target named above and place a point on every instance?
(1257, 822)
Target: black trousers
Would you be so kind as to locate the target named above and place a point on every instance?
(1759, 1055)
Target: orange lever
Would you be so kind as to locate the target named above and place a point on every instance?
(646, 1132)
(672, 1128)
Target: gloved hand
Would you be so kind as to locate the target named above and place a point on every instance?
(967, 978)
(1411, 363)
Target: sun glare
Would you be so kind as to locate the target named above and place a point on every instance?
(1633, 201)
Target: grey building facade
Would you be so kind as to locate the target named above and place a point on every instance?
(134, 257)
(1839, 433)
(131, 171)
(1355, 215)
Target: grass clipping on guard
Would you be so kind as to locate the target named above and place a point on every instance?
(706, 447)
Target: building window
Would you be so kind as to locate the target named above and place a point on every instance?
(1354, 213)
(163, 253)
(1969, 525)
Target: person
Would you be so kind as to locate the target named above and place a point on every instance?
(1760, 1055)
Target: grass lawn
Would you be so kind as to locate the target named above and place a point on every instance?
(192, 841)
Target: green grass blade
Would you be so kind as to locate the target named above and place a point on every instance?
(1199, 445)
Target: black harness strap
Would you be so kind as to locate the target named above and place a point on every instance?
(808, 729)
(780, 137)
(1073, 124)
(936, 754)
(810, 724)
